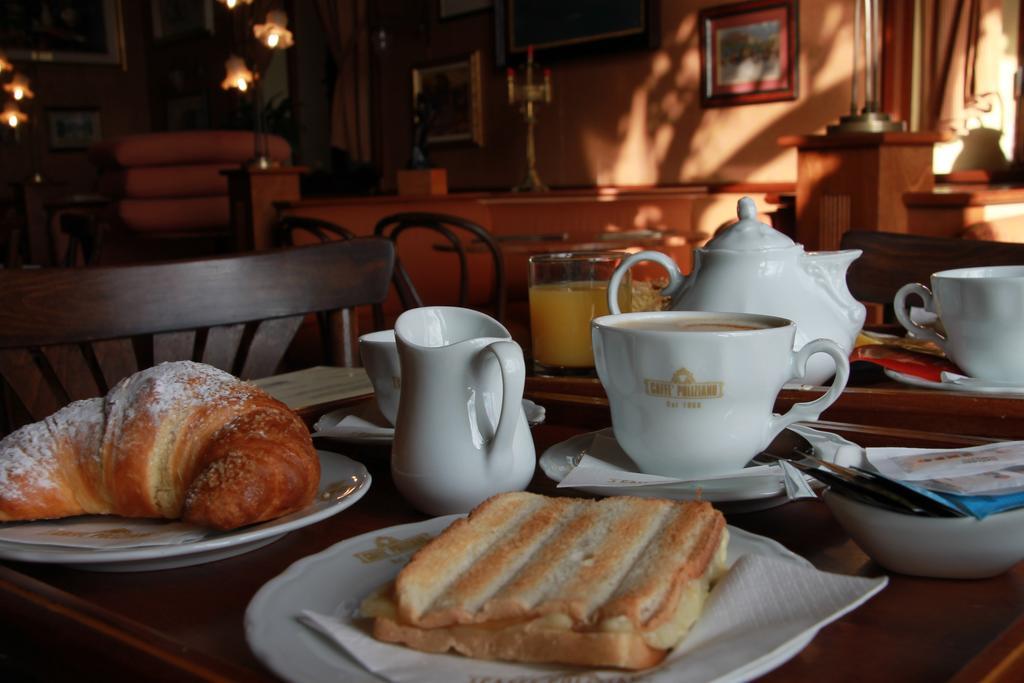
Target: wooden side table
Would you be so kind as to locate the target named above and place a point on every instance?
(857, 181)
(253, 193)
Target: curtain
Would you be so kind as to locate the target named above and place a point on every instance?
(345, 27)
(962, 45)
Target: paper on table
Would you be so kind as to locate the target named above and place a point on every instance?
(352, 426)
(605, 465)
(596, 472)
(367, 422)
(320, 384)
(102, 532)
(760, 607)
(995, 468)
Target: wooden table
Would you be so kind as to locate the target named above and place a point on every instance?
(186, 624)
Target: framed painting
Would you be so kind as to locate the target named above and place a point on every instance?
(65, 31)
(175, 19)
(748, 53)
(73, 129)
(452, 9)
(447, 97)
(573, 27)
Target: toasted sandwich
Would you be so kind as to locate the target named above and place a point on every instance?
(615, 582)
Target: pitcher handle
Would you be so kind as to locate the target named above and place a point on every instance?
(675, 278)
(513, 381)
(902, 310)
(810, 410)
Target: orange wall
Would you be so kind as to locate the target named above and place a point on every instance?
(624, 118)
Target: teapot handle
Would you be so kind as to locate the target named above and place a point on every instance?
(513, 382)
(902, 311)
(675, 278)
(810, 410)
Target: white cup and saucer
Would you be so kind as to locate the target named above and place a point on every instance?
(980, 327)
(691, 397)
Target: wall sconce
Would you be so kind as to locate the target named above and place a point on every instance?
(5, 64)
(12, 116)
(19, 88)
(238, 77)
(232, 4)
(274, 32)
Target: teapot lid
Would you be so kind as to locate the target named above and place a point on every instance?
(748, 233)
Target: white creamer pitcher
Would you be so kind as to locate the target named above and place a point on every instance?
(461, 434)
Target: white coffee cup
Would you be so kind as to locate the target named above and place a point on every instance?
(982, 312)
(379, 354)
(691, 393)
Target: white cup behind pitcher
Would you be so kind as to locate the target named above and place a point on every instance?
(982, 312)
(691, 393)
(379, 354)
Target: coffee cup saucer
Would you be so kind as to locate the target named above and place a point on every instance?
(742, 493)
(953, 382)
(363, 424)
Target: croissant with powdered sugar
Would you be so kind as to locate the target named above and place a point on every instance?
(179, 440)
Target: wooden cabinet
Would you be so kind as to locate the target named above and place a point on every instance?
(857, 181)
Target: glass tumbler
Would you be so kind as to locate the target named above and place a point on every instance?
(567, 290)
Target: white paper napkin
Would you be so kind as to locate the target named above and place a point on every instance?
(102, 532)
(606, 465)
(370, 424)
(754, 620)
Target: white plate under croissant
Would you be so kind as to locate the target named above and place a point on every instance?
(342, 482)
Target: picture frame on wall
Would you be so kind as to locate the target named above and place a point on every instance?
(447, 97)
(453, 9)
(178, 19)
(84, 32)
(73, 129)
(748, 53)
(569, 28)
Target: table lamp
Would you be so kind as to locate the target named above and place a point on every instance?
(273, 34)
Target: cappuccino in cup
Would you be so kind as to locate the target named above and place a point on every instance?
(982, 314)
(691, 393)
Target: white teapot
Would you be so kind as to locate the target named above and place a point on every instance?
(752, 268)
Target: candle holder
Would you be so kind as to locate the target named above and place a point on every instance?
(867, 37)
(528, 95)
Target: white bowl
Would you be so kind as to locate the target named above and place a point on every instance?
(941, 547)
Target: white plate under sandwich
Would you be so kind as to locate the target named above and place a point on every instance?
(335, 581)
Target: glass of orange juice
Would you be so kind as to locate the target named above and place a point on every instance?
(567, 291)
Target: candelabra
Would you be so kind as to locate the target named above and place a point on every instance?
(528, 95)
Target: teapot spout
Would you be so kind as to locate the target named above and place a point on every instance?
(828, 268)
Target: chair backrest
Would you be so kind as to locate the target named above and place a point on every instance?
(454, 229)
(68, 334)
(891, 260)
(287, 227)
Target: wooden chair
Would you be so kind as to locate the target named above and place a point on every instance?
(72, 333)
(453, 229)
(324, 231)
(891, 260)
